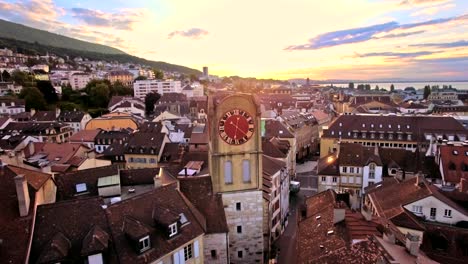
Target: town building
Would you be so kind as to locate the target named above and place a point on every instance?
(21, 192)
(79, 80)
(76, 119)
(122, 76)
(106, 138)
(85, 137)
(127, 104)
(115, 121)
(350, 170)
(390, 131)
(305, 129)
(143, 87)
(236, 173)
(452, 160)
(11, 106)
(43, 131)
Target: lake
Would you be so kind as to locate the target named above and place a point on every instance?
(417, 85)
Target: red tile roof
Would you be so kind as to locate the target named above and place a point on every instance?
(454, 161)
(85, 136)
(141, 208)
(13, 228)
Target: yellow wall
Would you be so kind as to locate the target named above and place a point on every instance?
(220, 151)
(111, 124)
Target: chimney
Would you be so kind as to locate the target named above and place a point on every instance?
(412, 244)
(366, 212)
(157, 179)
(463, 185)
(389, 236)
(22, 193)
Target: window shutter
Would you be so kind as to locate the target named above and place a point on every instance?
(195, 246)
(181, 256)
(176, 258)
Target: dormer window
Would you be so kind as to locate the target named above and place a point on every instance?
(173, 230)
(144, 244)
(183, 219)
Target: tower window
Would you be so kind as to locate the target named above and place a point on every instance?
(238, 206)
(240, 254)
(239, 229)
(228, 172)
(246, 170)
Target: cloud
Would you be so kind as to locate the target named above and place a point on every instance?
(422, 2)
(396, 54)
(456, 44)
(194, 33)
(400, 35)
(363, 34)
(432, 10)
(123, 20)
(41, 14)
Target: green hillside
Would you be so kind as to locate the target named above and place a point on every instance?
(32, 41)
(28, 34)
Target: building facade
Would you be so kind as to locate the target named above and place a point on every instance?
(236, 171)
(143, 87)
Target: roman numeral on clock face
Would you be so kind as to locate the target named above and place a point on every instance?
(236, 127)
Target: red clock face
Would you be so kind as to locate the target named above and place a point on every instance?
(236, 127)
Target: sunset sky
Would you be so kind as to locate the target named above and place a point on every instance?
(333, 39)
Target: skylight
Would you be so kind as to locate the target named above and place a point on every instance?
(183, 219)
(81, 187)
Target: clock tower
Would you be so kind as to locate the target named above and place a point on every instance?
(235, 161)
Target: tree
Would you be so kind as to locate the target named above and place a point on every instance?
(193, 77)
(23, 79)
(99, 95)
(360, 87)
(33, 98)
(150, 101)
(139, 78)
(158, 74)
(367, 86)
(118, 88)
(377, 88)
(49, 92)
(392, 88)
(6, 77)
(351, 86)
(427, 91)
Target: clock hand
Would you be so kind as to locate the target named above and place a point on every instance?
(237, 128)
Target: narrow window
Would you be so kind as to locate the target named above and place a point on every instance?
(238, 206)
(144, 244)
(228, 172)
(448, 213)
(239, 229)
(246, 170)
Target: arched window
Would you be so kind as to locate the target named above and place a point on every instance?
(452, 166)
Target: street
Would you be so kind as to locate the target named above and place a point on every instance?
(286, 244)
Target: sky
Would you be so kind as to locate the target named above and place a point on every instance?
(281, 39)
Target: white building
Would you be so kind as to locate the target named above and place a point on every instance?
(12, 106)
(142, 87)
(79, 80)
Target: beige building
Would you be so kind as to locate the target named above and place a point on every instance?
(236, 170)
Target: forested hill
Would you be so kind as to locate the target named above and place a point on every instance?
(29, 34)
(33, 41)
